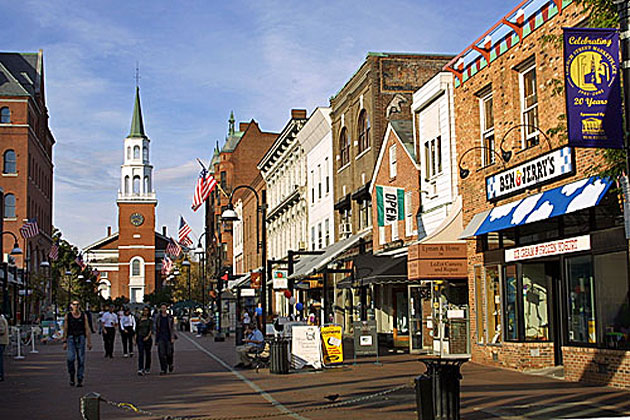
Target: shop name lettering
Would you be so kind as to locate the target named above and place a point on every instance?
(585, 40)
(528, 174)
(391, 207)
(547, 249)
(445, 266)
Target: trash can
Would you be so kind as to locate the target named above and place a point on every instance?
(444, 376)
(424, 397)
(239, 335)
(279, 356)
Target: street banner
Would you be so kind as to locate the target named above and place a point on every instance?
(332, 343)
(305, 347)
(592, 85)
(390, 204)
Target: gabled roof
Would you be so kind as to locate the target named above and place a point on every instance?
(20, 74)
(403, 133)
(108, 239)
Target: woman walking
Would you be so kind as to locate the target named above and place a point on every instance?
(144, 340)
(75, 332)
(127, 331)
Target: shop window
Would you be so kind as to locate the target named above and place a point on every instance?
(529, 104)
(510, 288)
(481, 332)
(508, 238)
(493, 304)
(576, 223)
(581, 300)
(535, 300)
(613, 300)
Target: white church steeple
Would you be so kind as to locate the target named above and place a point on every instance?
(136, 173)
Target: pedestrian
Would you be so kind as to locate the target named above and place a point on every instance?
(127, 331)
(110, 323)
(88, 313)
(165, 339)
(253, 342)
(144, 340)
(75, 333)
(4, 342)
(246, 318)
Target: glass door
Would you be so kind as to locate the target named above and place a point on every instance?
(420, 338)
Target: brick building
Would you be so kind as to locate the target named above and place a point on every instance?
(547, 258)
(129, 260)
(26, 144)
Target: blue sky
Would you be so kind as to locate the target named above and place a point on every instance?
(198, 61)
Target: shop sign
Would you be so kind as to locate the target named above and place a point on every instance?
(592, 86)
(562, 246)
(306, 346)
(540, 170)
(437, 269)
(438, 250)
(332, 343)
(280, 280)
(390, 205)
(247, 292)
(365, 338)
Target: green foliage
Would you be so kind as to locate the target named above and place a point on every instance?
(165, 294)
(601, 13)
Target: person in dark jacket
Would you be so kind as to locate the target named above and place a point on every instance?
(76, 332)
(165, 339)
(144, 339)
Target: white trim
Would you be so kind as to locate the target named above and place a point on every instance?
(14, 100)
(363, 153)
(136, 247)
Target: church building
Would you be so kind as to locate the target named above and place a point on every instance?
(129, 260)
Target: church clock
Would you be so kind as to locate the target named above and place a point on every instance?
(137, 219)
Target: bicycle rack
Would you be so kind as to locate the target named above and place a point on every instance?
(19, 355)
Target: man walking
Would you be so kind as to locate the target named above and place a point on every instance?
(109, 320)
(145, 329)
(165, 339)
(4, 342)
(75, 332)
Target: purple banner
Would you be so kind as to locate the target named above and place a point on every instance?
(591, 80)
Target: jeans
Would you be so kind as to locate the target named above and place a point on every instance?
(144, 353)
(2, 346)
(109, 335)
(76, 351)
(165, 353)
(127, 339)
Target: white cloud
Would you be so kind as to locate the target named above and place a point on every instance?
(540, 213)
(524, 208)
(588, 197)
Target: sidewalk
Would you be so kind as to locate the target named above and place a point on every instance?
(203, 384)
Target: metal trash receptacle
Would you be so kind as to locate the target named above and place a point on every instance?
(279, 356)
(424, 397)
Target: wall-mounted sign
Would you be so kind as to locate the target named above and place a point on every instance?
(247, 292)
(591, 81)
(280, 280)
(562, 246)
(540, 170)
(437, 269)
(438, 250)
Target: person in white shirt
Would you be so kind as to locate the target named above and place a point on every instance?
(127, 331)
(109, 320)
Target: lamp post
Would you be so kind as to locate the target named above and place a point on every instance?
(261, 207)
(201, 251)
(186, 263)
(5, 289)
(45, 265)
(26, 261)
(69, 276)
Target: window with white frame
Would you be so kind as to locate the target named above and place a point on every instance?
(313, 238)
(529, 105)
(392, 161)
(319, 181)
(312, 187)
(327, 176)
(433, 157)
(365, 213)
(408, 215)
(327, 232)
(487, 129)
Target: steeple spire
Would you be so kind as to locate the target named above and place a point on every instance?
(231, 126)
(137, 126)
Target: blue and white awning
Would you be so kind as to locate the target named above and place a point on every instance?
(572, 197)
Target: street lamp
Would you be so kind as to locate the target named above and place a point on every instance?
(5, 292)
(69, 276)
(202, 269)
(464, 172)
(186, 263)
(261, 207)
(45, 265)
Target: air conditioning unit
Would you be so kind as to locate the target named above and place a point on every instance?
(345, 229)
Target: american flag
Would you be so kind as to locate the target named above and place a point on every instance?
(184, 230)
(205, 185)
(29, 229)
(187, 242)
(173, 248)
(53, 254)
(79, 261)
(167, 265)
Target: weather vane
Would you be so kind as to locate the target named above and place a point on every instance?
(137, 74)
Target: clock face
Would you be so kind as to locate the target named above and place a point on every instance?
(137, 219)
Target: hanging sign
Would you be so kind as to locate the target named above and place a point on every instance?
(280, 280)
(332, 342)
(390, 203)
(593, 93)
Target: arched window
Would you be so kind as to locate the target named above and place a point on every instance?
(136, 184)
(147, 185)
(5, 115)
(10, 162)
(364, 131)
(135, 267)
(128, 152)
(136, 152)
(9, 206)
(127, 185)
(145, 153)
(344, 147)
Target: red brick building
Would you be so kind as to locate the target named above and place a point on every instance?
(129, 260)
(547, 257)
(26, 145)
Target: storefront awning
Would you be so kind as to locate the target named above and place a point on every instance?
(571, 197)
(240, 282)
(311, 264)
(372, 269)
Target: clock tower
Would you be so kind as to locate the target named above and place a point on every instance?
(136, 214)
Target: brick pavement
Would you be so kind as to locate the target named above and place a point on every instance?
(36, 388)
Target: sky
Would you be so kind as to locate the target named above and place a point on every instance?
(199, 60)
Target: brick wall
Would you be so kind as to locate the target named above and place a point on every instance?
(518, 356)
(597, 366)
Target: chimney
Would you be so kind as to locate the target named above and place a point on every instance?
(242, 126)
(298, 113)
(109, 231)
(164, 231)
